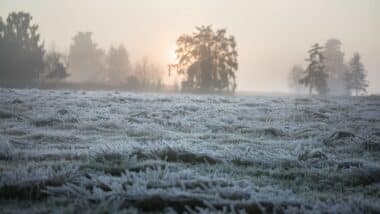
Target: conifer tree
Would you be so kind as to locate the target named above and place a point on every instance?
(356, 76)
(316, 75)
(335, 67)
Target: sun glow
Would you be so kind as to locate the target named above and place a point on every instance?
(173, 55)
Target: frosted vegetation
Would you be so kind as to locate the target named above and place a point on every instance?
(129, 152)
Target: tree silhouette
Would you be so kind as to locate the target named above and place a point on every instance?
(148, 73)
(356, 76)
(294, 78)
(118, 65)
(207, 59)
(86, 60)
(334, 61)
(142, 69)
(21, 52)
(316, 75)
(55, 66)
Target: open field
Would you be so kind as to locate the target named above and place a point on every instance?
(108, 151)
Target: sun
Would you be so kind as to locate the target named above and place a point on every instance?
(173, 55)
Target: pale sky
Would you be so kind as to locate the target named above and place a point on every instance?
(272, 35)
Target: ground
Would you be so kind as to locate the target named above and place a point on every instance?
(109, 151)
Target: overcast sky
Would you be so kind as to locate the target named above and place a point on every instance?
(272, 35)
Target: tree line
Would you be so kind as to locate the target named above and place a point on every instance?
(327, 73)
(206, 61)
(24, 61)
(89, 63)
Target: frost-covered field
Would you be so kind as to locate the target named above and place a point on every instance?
(82, 152)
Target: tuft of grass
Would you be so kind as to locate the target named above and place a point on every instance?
(178, 155)
(116, 164)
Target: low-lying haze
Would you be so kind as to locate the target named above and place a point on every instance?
(271, 35)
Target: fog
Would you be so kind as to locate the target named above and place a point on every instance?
(196, 106)
(271, 36)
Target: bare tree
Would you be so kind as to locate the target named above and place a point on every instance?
(148, 73)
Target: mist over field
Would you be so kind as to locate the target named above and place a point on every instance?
(272, 36)
(189, 106)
